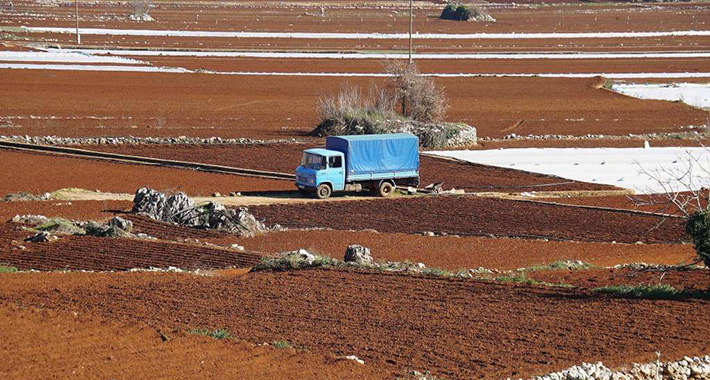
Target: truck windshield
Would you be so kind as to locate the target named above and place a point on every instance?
(313, 161)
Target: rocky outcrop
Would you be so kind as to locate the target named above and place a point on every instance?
(182, 210)
(358, 254)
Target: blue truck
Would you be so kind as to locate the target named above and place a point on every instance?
(377, 163)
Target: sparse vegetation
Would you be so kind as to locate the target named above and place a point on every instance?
(216, 333)
(295, 261)
(654, 292)
(521, 278)
(561, 265)
(282, 344)
(7, 269)
(698, 227)
(141, 8)
(409, 103)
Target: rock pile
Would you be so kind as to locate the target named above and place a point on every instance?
(49, 228)
(358, 254)
(431, 135)
(182, 210)
(685, 369)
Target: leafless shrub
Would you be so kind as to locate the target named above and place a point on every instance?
(141, 8)
(418, 97)
(685, 186)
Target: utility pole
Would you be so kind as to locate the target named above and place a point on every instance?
(76, 14)
(411, 27)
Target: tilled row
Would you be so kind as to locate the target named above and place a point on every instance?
(113, 254)
(469, 215)
(454, 328)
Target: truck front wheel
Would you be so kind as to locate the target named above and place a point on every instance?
(323, 191)
(386, 189)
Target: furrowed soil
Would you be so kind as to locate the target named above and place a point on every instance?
(112, 254)
(454, 328)
(693, 279)
(76, 210)
(455, 253)
(40, 173)
(80, 346)
(74, 103)
(470, 215)
(285, 157)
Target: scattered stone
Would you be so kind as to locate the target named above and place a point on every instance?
(358, 254)
(237, 247)
(301, 255)
(355, 358)
(23, 196)
(40, 237)
(216, 195)
(120, 223)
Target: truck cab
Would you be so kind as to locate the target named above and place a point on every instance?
(322, 171)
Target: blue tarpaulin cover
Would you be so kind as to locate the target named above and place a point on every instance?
(372, 154)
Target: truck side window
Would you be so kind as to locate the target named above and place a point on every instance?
(335, 162)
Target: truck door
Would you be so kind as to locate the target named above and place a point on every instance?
(336, 172)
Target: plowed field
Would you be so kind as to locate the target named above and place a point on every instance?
(67, 345)
(39, 173)
(467, 252)
(697, 279)
(115, 254)
(75, 103)
(466, 215)
(453, 328)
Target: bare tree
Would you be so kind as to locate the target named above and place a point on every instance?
(418, 96)
(686, 191)
(141, 9)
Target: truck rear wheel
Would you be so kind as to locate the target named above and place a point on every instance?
(323, 191)
(386, 189)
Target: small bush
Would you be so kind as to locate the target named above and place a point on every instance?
(7, 269)
(282, 344)
(654, 292)
(698, 227)
(418, 97)
(216, 334)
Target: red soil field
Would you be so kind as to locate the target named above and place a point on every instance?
(454, 253)
(452, 327)
(115, 254)
(285, 157)
(80, 346)
(454, 66)
(204, 105)
(470, 215)
(75, 210)
(371, 16)
(39, 173)
(696, 279)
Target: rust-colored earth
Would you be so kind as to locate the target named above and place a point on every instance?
(39, 173)
(112, 254)
(76, 210)
(470, 215)
(42, 344)
(454, 328)
(454, 253)
(143, 104)
(691, 279)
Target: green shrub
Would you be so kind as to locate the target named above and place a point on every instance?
(698, 227)
(7, 269)
(216, 334)
(282, 344)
